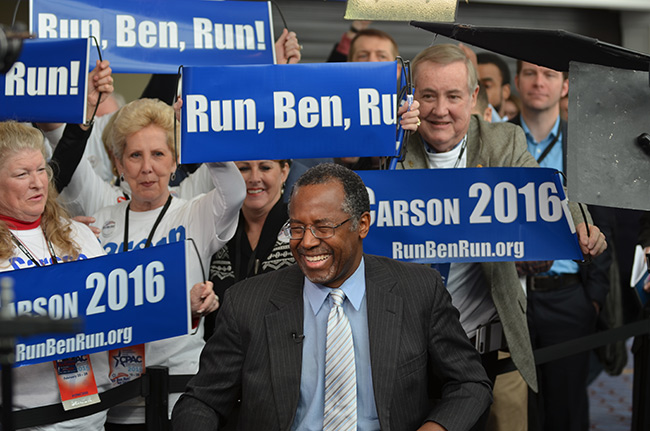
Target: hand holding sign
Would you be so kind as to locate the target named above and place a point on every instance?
(593, 243)
(203, 299)
(287, 48)
(409, 116)
(100, 81)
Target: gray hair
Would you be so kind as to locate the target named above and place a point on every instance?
(446, 54)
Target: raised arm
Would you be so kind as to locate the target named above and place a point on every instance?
(70, 148)
(213, 217)
(68, 153)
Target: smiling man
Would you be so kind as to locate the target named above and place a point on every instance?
(488, 295)
(341, 341)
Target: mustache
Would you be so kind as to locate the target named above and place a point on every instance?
(319, 249)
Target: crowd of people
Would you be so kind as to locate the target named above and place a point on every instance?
(288, 286)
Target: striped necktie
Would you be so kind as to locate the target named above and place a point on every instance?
(340, 373)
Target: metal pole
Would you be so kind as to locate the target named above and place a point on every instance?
(157, 400)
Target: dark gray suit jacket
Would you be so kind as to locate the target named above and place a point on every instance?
(415, 339)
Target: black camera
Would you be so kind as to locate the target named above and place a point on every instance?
(11, 42)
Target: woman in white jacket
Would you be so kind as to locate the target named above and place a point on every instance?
(141, 139)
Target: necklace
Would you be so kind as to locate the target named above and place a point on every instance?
(463, 145)
(23, 247)
(125, 246)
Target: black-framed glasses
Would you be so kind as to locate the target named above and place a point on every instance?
(320, 232)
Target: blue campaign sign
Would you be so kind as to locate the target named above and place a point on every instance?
(47, 83)
(288, 111)
(469, 215)
(155, 36)
(121, 298)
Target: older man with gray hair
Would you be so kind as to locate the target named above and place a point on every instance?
(488, 295)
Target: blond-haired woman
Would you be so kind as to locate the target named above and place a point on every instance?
(35, 231)
(141, 139)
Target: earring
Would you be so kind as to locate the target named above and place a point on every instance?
(173, 177)
(122, 178)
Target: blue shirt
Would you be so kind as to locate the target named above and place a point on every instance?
(554, 159)
(496, 118)
(317, 305)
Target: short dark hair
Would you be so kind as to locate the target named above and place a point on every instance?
(372, 32)
(491, 58)
(356, 200)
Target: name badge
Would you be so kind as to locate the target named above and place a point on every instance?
(76, 380)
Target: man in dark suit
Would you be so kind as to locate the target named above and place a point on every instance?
(271, 339)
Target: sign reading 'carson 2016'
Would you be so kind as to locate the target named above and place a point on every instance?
(469, 215)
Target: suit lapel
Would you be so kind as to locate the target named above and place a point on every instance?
(285, 353)
(475, 158)
(416, 157)
(384, 327)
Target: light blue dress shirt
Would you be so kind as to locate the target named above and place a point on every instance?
(496, 118)
(554, 159)
(317, 303)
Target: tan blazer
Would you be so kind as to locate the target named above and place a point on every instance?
(498, 145)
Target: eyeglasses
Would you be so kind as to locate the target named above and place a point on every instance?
(320, 232)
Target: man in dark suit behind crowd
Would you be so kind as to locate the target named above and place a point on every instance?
(271, 348)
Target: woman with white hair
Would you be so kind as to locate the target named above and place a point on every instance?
(141, 139)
